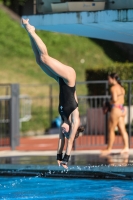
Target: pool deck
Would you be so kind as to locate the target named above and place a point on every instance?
(117, 167)
(99, 172)
(9, 153)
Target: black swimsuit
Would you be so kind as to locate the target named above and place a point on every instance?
(67, 102)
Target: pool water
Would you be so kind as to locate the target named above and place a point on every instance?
(58, 189)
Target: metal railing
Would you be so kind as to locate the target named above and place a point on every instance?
(9, 115)
(45, 109)
(4, 115)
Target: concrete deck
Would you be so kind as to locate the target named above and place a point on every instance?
(8, 153)
(36, 161)
(101, 172)
(83, 164)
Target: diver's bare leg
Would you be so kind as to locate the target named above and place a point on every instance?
(54, 65)
(37, 56)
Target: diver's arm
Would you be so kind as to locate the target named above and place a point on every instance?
(61, 143)
(75, 122)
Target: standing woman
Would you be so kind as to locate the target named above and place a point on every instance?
(117, 113)
(68, 103)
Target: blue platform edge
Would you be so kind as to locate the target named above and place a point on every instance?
(99, 172)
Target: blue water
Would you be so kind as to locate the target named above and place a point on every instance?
(59, 189)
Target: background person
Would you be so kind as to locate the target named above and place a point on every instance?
(117, 113)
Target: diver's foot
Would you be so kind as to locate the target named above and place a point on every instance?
(105, 152)
(27, 26)
(125, 151)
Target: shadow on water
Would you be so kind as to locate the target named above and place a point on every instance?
(112, 50)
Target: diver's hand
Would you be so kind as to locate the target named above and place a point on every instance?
(64, 164)
(59, 161)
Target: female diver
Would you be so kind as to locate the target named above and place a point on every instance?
(117, 113)
(68, 102)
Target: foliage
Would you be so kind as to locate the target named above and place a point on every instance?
(124, 70)
(11, 3)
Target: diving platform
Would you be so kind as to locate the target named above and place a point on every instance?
(112, 25)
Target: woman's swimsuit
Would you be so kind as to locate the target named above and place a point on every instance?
(67, 102)
(120, 106)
